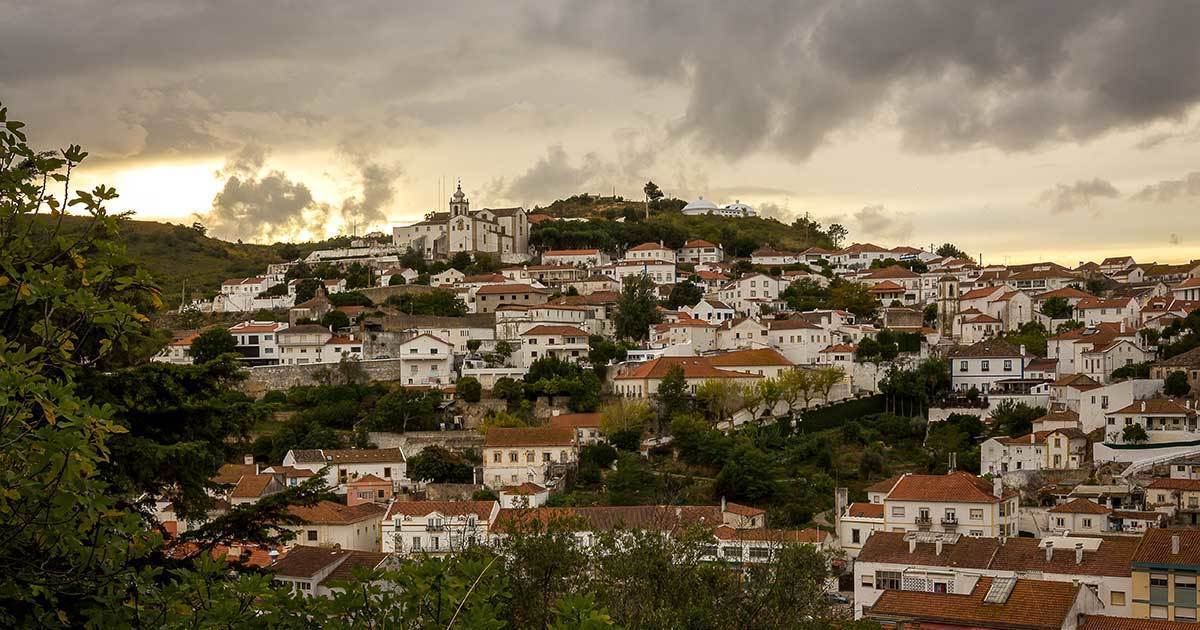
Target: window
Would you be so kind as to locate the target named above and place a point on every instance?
(855, 536)
(1008, 365)
(732, 552)
(512, 457)
(387, 471)
(496, 457)
(416, 544)
(887, 580)
(1158, 612)
(759, 553)
(311, 534)
(1087, 522)
(984, 365)
(962, 366)
(976, 514)
(1116, 598)
(868, 580)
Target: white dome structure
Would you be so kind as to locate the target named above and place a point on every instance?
(700, 206)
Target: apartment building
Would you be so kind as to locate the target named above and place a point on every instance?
(516, 455)
(436, 527)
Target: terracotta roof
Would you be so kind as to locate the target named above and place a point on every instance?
(304, 562)
(330, 513)
(526, 489)
(645, 247)
(1028, 438)
(697, 243)
(983, 319)
(596, 298)
(344, 572)
(491, 289)
(887, 286)
(961, 487)
(290, 472)
(367, 480)
(743, 510)
(231, 473)
(1031, 604)
(251, 486)
(865, 510)
(1191, 358)
(576, 420)
(1110, 559)
(969, 552)
(308, 456)
(1042, 365)
(529, 436)
(693, 367)
(555, 330)
(1102, 622)
(792, 324)
(892, 271)
(979, 293)
(841, 347)
(1080, 506)
(1077, 381)
(752, 357)
(1155, 547)
(247, 327)
(1070, 293)
(783, 536)
(1190, 283)
(1166, 483)
(486, 277)
(644, 517)
(304, 329)
(1139, 515)
(481, 509)
(988, 348)
(363, 455)
(1155, 407)
(859, 248)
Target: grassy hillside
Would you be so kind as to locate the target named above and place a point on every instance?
(177, 255)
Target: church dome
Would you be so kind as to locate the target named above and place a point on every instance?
(458, 194)
(700, 204)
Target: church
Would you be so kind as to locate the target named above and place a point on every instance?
(501, 232)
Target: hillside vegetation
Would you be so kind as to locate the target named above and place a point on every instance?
(179, 254)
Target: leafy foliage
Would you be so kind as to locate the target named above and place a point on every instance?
(637, 308)
(437, 464)
(435, 302)
(211, 344)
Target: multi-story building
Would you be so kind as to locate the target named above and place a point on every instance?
(347, 464)
(981, 366)
(426, 360)
(643, 380)
(1165, 567)
(647, 252)
(436, 527)
(313, 343)
(519, 454)
(576, 257)
(258, 342)
(489, 298)
(502, 232)
(799, 340)
(958, 502)
(315, 571)
(1052, 449)
(700, 251)
(337, 525)
(562, 342)
(585, 425)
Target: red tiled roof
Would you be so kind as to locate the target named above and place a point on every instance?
(1155, 407)
(645, 247)
(1155, 547)
(368, 480)
(481, 509)
(884, 486)
(575, 420)
(697, 243)
(693, 367)
(752, 357)
(961, 487)
(570, 331)
(497, 289)
(841, 347)
(887, 286)
(1102, 622)
(783, 536)
(792, 324)
(330, 513)
(526, 489)
(743, 510)
(645, 517)
(865, 510)
(1032, 604)
(529, 436)
(979, 293)
(1079, 506)
(1165, 483)
(251, 486)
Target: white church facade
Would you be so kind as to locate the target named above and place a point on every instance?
(501, 232)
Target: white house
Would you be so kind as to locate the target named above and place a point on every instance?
(329, 524)
(798, 339)
(660, 271)
(348, 464)
(1096, 311)
(436, 527)
(750, 293)
(448, 277)
(564, 342)
(651, 252)
(699, 251)
(177, 351)
(769, 256)
(427, 360)
(982, 365)
(312, 571)
(710, 310)
(258, 342)
(958, 502)
(512, 456)
(575, 257)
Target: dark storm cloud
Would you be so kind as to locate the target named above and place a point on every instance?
(553, 176)
(1170, 189)
(260, 206)
(1082, 194)
(953, 75)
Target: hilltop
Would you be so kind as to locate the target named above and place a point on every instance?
(179, 254)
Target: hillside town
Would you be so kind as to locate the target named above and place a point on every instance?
(1068, 497)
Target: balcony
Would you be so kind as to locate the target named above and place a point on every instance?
(924, 522)
(950, 523)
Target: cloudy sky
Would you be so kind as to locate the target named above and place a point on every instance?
(1019, 130)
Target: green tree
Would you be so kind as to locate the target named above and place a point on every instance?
(672, 396)
(435, 302)
(602, 351)
(469, 389)
(929, 315)
(950, 250)
(407, 409)
(684, 294)
(1177, 385)
(437, 464)
(637, 308)
(652, 191)
(336, 319)
(306, 289)
(747, 476)
(510, 390)
(853, 297)
(396, 280)
(1134, 434)
(633, 482)
(212, 343)
(1009, 418)
(474, 344)
(1057, 307)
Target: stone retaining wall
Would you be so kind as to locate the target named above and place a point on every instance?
(268, 377)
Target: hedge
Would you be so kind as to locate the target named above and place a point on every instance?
(840, 413)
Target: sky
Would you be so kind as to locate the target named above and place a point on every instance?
(1019, 130)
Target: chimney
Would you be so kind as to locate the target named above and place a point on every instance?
(1078, 553)
(722, 503)
(912, 545)
(248, 459)
(1022, 349)
(937, 546)
(998, 487)
(1174, 544)
(1049, 550)
(1143, 406)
